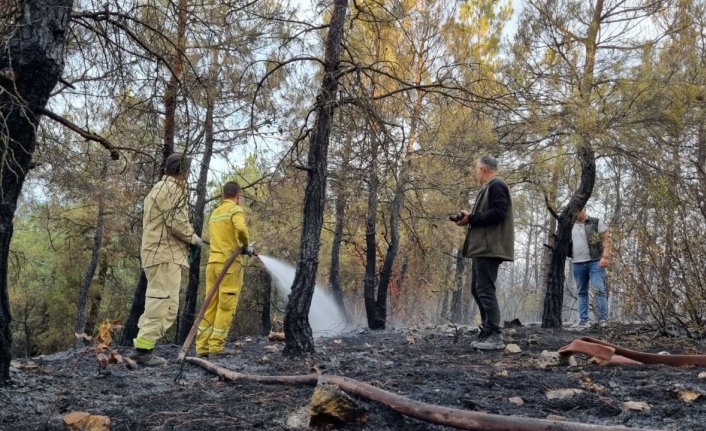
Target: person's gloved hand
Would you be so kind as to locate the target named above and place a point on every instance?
(193, 253)
(248, 250)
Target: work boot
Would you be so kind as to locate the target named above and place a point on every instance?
(581, 324)
(491, 342)
(202, 354)
(225, 351)
(482, 335)
(146, 358)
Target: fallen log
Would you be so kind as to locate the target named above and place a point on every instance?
(462, 419)
(308, 379)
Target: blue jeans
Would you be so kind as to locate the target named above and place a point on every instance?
(585, 272)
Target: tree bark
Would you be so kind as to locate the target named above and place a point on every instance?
(266, 302)
(341, 203)
(31, 60)
(370, 240)
(551, 223)
(457, 295)
(391, 254)
(96, 294)
(299, 340)
(554, 298)
(80, 326)
(130, 328)
(398, 199)
(192, 290)
(170, 92)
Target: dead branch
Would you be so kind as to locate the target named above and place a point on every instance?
(447, 416)
(309, 379)
(114, 153)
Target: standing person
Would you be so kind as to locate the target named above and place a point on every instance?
(590, 253)
(490, 240)
(227, 232)
(166, 238)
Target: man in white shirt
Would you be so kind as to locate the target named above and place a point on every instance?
(590, 252)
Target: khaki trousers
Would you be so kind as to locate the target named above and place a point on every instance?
(213, 329)
(161, 303)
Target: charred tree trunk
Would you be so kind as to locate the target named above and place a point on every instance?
(457, 296)
(31, 62)
(470, 308)
(398, 200)
(299, 340)
(334, 273)
(192, 290)
(80, 326)
(370, 240)
(341, 203)
(138, 307)
(551, 223)
(392, 250)
(96, 294)
(554, 298)
(266, 302)
(398, 300)
(170, 92)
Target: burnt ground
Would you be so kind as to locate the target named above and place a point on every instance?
(424, 364)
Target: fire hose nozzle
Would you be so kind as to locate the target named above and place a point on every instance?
(249, 250)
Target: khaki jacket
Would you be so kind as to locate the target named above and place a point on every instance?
(227, 231)
(166, 230)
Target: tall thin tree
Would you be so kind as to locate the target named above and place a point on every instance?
(297, 330)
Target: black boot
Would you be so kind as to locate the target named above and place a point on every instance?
(145, 358)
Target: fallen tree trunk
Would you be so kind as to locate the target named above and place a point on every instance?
(462, 419)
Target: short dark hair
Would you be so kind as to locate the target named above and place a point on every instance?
(490, 162)
(231, 189)
(177, 164)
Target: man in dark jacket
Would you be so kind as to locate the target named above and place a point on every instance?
(490, 240)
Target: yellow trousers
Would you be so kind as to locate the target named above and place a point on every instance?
(213, 329)
(161, 303)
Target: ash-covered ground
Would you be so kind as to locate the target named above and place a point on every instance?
(435, 365)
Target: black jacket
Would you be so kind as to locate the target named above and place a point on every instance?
(491, 229)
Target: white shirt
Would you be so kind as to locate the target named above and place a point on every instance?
(581, 251)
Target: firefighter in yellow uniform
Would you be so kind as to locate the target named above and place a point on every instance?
(166, 238)
(227, 231)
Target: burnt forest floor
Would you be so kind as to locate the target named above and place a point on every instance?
(424, 364)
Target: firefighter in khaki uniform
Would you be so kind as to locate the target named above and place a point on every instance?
(227, 232)
(166, 238)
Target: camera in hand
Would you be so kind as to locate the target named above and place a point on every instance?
(456, 217)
